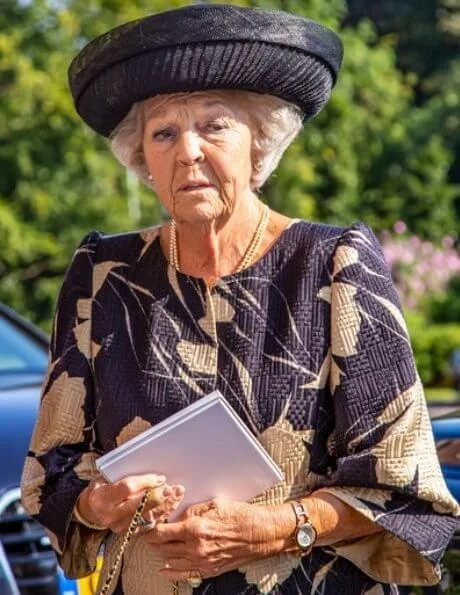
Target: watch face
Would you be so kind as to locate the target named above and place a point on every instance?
(305, 536)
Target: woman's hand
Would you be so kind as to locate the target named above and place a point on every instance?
(113, 505)
(218, 536)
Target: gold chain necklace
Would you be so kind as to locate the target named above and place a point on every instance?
(250, 252)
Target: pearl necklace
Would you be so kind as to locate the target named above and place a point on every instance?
(250, 252)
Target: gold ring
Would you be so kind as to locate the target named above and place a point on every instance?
(194, 579)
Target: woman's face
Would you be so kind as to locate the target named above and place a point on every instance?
(197, 148)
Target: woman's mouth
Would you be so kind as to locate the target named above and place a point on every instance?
(194, 186)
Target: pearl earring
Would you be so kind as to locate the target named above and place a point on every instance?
(150, 177)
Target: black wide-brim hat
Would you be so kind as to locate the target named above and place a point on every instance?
(204, 47)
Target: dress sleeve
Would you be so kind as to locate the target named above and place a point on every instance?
(385, 462)
(64, 446)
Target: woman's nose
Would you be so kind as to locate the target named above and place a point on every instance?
(189, 150)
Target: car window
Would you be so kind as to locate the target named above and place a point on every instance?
(18, 352)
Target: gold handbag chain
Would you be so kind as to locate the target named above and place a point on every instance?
(126, 539)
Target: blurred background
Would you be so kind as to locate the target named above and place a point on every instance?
(386, 151)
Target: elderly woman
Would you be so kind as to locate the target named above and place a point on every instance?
(296, 323)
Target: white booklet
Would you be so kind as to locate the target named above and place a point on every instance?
(205, 447)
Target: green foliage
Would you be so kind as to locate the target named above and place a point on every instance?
(426, 36)
(440, 394)
(427, 33)
(433, 345)
(376, 153)
(445, 307)
(369, 156)
(452, 563)
(58, 178)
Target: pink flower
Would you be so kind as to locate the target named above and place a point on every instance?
(418, 267)
(448, 241)
(400, 227)
(427, 248)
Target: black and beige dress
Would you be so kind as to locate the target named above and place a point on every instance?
(308, 345)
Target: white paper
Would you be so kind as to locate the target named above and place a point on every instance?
(205, 447)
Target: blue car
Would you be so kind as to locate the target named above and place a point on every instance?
(446, 431)
(28, 565)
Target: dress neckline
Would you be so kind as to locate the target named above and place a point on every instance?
(284, 235)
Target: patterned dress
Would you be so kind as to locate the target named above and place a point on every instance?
(310, 348)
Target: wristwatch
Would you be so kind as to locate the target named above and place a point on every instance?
(305, 534)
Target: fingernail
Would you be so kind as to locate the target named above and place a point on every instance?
(179, 491)
(167, 491)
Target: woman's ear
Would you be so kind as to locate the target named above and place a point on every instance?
(257, 163)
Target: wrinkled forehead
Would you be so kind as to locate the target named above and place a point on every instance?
(228, 102)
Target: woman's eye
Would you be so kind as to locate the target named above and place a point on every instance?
(215, 126)
(165, 134)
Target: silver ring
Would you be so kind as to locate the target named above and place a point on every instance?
(194, 579)
(147, 525)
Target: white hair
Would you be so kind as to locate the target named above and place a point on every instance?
(275, 124)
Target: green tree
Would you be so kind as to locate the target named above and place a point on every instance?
(427, 33)
(426, 37)
(58, 178)
(373, 154)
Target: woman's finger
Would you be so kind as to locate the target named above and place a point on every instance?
(104, 497)
(127, 508)
(175, 549)
(119, 518)
(149, 517)
(121, 525)
(165, 499)
(124, 512)
(168, 532)
(131, 486)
